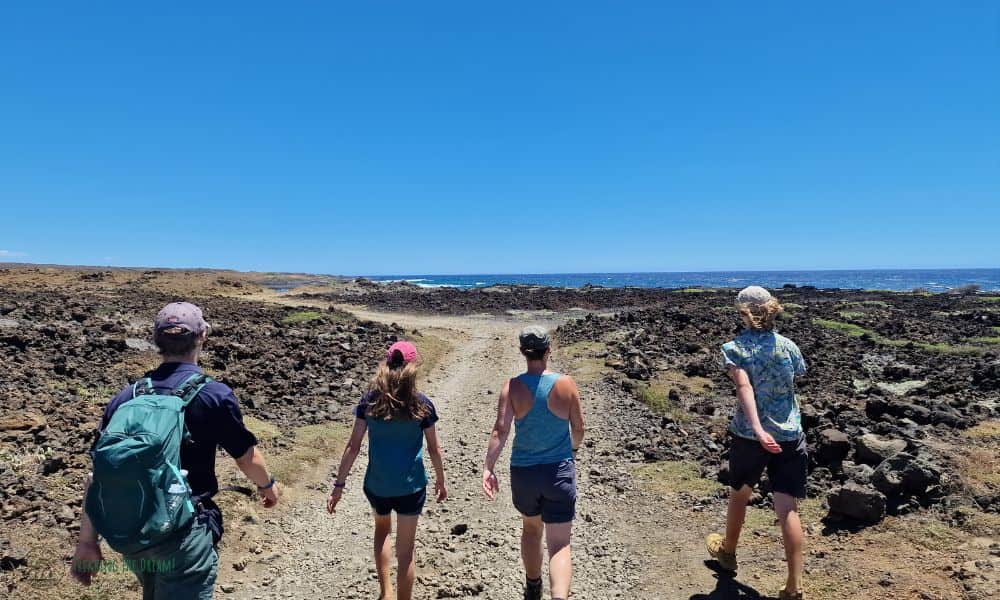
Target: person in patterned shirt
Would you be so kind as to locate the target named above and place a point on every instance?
(766, 431)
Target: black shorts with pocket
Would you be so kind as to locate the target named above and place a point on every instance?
(786, 471)
(409, 505)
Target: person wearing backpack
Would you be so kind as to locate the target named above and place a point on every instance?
(150, 494)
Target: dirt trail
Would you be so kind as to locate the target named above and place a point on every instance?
(319, 555)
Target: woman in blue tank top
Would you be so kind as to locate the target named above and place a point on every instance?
(397, 419)
(544, 408)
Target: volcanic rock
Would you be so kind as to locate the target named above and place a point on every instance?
(834, 446)
(872, 450)
(861, 503)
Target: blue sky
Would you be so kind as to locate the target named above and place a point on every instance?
(405, 137)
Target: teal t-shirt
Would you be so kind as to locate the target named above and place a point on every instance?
(395, 451)
(771, 361)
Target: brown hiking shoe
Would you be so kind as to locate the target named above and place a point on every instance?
(726, 560)
(783, 595)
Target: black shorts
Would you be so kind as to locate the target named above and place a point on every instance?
(786, 471)
(546, 490)
(409, 505)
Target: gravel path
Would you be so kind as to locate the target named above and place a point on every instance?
(467, 546)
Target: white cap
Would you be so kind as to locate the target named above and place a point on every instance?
(753, 295)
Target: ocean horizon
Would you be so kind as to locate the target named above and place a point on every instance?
(932, 280)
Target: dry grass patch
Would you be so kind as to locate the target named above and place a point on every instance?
(985, 431)
(312, 444)
(583, 360)
(978, 464)
(675, 477)
(46, 575)
(264, 431)
(432, 350)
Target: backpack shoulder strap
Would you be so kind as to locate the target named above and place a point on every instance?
(189, 390)
(143, 387)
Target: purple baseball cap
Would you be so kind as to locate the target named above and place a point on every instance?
(180, 314)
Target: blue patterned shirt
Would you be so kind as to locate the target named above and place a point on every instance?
(771, 361)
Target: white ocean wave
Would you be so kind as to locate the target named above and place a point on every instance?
(444, 285)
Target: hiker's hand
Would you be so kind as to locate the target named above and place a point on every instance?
(440, 490)
(490, 484)
(331, 502)
(768, 442)
(269, 497)
(86, 560)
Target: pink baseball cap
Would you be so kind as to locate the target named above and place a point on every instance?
(406, 349)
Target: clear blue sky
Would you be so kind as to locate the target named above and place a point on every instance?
(427, 137)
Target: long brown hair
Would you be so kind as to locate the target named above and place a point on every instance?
(395, 393)
(761, 316)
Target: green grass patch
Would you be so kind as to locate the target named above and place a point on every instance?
(853, 330)
(851, 314)
(696, 290)
(656, 393)
(985, 340)
(988, 298)
(849, 328)
(302, 316)
(676, 476)
(791, 306)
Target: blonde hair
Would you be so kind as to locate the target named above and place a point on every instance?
(760, 316)
(395, 393)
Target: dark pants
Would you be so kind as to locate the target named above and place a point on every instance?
(182, 568)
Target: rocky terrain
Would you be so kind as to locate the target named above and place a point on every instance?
(901, 407)
(65, 353)
(894, 382)
(498, 299)
(888, 374)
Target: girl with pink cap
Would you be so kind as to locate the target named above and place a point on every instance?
(397, 419)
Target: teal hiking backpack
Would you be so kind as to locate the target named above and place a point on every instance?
(139, 497)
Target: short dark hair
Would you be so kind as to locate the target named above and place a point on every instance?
(175, 341)
(534, 353)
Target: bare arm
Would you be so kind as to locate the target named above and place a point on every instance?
(576, 425)
(88, 549)
(498, 438)
(434, 450)
(346, 462)
(501, 428)
(747, 401)
(254, 466)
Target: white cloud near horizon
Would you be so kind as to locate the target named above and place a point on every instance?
(12, 254)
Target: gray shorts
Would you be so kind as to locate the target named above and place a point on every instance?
(547, 490)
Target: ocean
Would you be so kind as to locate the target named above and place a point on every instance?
(935, 280)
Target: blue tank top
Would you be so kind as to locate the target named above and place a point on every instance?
(540, 438)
